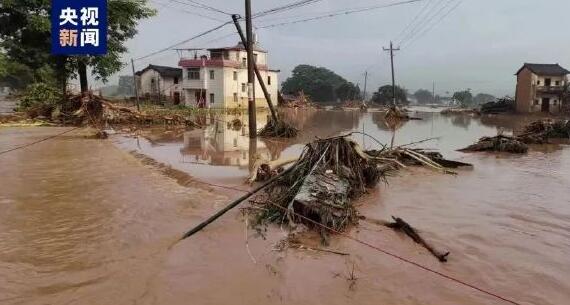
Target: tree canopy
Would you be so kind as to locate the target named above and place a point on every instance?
(321, 84)
(465, 98)
(25, 36)
(483, 98)
(384, 95)
(424, 96)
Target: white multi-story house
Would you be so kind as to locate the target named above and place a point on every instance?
(218, 79)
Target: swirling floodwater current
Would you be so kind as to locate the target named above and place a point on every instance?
(88, 221)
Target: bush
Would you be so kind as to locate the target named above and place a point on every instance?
(40, 99)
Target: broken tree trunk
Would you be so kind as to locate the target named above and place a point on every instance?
(400, 225)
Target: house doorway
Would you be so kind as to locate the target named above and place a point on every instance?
(547, 82)
(201, 99)
(176, 98)
(545, 107)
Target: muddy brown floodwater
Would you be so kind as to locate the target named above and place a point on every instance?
(86, 222)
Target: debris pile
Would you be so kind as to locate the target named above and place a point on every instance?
(354, 104)
(278, 129)
(452, 111)
(498, 143)
(539, 132)
(502, 105)
(321, 185)
(299, 101)
(330, 174)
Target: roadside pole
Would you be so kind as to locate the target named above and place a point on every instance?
(250, 72)
(135, 84)
(391, 49)
(365, 83)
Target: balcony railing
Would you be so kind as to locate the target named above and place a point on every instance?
(195, 84)
(550, 88)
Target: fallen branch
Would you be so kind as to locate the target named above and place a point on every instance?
(400, 225)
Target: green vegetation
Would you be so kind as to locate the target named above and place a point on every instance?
(40, 99)
(483, 98)
(384, 95)
(320, 84)
(424, 96)
(25, 42)
(465, 98)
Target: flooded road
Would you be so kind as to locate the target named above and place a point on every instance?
(84, 222)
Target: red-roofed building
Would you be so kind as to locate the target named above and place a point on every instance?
(218, 79)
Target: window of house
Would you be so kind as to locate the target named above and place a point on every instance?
(212, 99)
(536, 102)
(176, 80)
(194, 73)
(235, 97)
(243, 87)
(557, 83)
(269, 80)
(237, 56)
(226, 55)
(538, 82)
(235, 75)
(255, 58)
(235, 142)
(244, 61)
(554, 102)
(212, 74)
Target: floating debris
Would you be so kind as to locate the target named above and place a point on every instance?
(498, 143)
(278, 129)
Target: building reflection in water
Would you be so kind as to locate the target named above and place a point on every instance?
(221, 143)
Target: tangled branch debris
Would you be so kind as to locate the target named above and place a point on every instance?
(278, 129)
(498, 143)
(539, 132)
(330, 174)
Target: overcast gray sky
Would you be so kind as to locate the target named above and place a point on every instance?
(478, 44)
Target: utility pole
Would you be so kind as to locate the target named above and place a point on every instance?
(365, 83)
(136, 85)
(250, 72)
(391, 49)
(433, 92)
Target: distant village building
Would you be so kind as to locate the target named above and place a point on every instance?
(161, 83)
(219, 79)
(540, 88)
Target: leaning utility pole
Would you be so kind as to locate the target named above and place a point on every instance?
(136, 85)
(250, 72)
(260, 80)
(391, 49)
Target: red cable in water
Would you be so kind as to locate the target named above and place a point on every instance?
(381, 250)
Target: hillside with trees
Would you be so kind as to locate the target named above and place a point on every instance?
(320, 84)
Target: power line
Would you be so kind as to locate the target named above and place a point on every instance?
(39, 141)
(420, 12)
(207, 7)
(285, 8)
(339, 13)
(185, 11)
(426, 22)
(433, 24)
(185, 40)
(421, 20)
